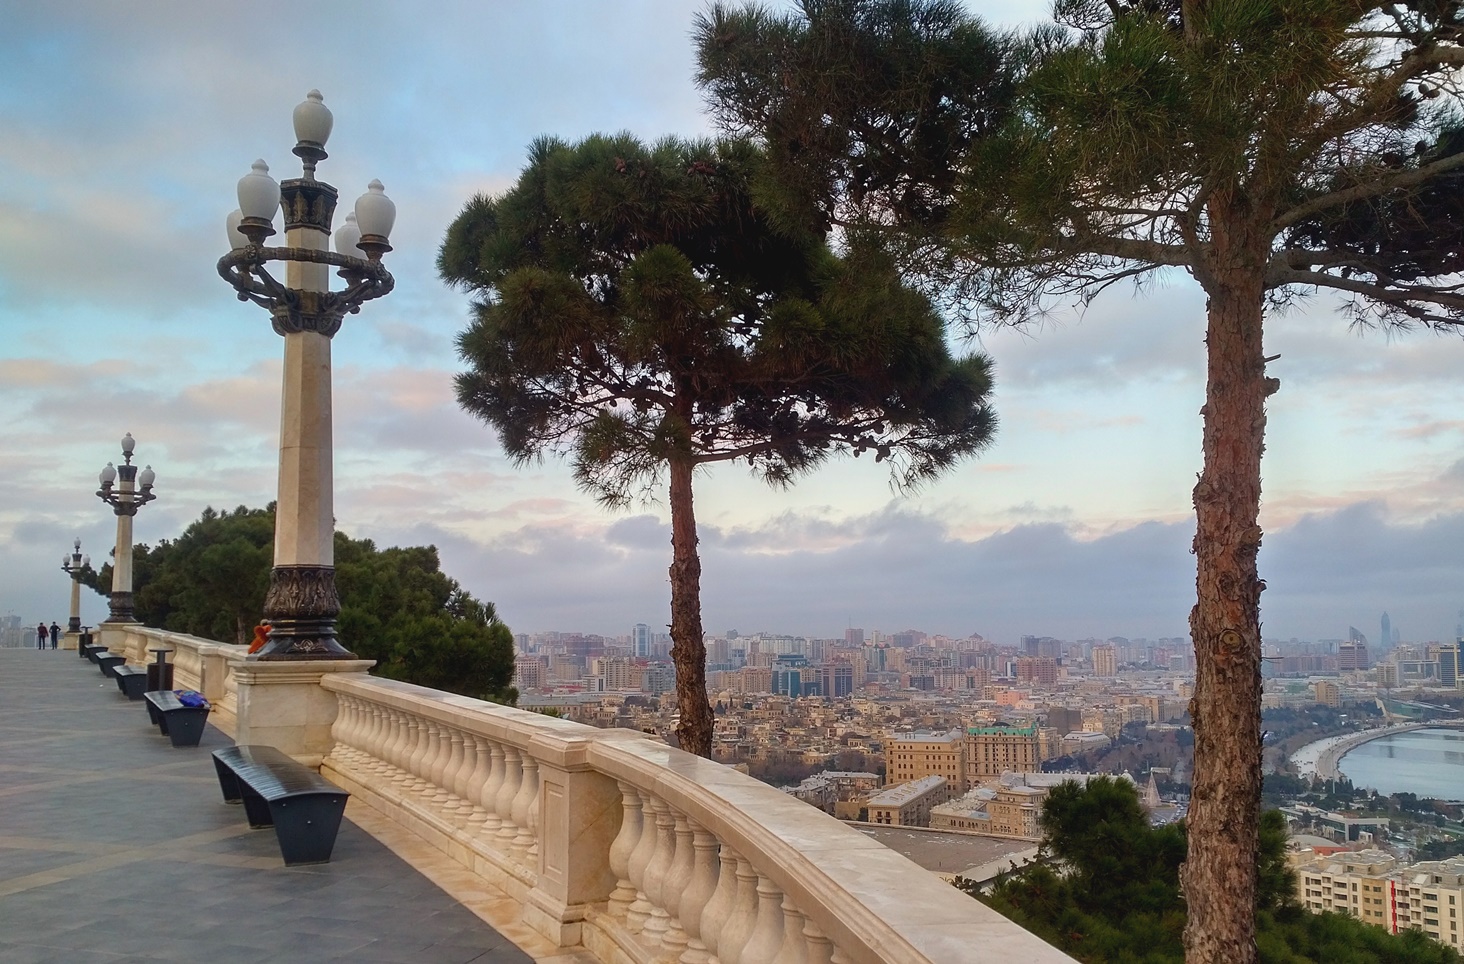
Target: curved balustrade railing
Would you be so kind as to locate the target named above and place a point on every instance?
(640, 852)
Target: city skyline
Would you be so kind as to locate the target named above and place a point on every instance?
(128, 132)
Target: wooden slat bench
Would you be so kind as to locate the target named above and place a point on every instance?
(181, 724)
(304, 807)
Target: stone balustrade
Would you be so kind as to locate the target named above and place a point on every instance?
(642, 853)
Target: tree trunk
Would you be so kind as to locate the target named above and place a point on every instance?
(688, 647)
(1219, 876)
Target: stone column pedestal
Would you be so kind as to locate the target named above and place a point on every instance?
(70, 641)
(579, 818)
(282, 704)
(117, 636)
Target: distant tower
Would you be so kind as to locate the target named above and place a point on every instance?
(640, 640)
(1386, 639)
(1150, 798)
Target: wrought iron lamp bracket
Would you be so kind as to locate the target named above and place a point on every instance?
(292, 310)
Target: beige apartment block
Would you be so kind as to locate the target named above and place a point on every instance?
(909, 804)
(1374, 887)
(1105, 660)
(994, 750)
(914, 756)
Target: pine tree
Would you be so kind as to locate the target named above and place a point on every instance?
(635, 310)
(1268, 148)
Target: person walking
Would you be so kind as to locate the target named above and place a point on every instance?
(41, 635)
(55, 634)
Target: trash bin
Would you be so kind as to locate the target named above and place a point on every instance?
(160, 673)
(83, 641)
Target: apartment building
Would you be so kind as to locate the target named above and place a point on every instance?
(1374, 887)
(914, 756)
(994, 750)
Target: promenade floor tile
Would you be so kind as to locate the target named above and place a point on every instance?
(114, 846)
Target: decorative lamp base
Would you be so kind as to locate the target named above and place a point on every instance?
(120, 604)
(302, 607)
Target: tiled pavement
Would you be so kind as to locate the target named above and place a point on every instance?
(114, 846)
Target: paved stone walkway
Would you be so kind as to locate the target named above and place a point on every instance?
(114, 846)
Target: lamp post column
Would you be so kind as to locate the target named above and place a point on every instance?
(73, 624)
(125, 500)
(302, 604)
(74, 565)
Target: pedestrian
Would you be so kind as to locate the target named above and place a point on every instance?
(41, 635)
(55, 634)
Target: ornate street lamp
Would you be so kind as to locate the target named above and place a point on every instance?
(302, 604)
(75, 565)
(125, 500)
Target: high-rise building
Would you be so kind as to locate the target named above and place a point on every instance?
(1105, 660)
(1041, 670)
(1385, 641)
(836, 679)
(640, 641)
(1352, 654)
(854, 637)
(1449, 664)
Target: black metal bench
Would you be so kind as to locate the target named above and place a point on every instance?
(131, 680)
(304, 807)
(92, 652)
(181, 724)
(108, 662)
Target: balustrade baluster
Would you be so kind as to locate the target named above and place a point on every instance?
(741, 918)
(795, 945)
(477, 777)
(714, 916)
(645, 849)
(453, 772)
(375, 738)
(677, 880)
(820, 948)
(437, 793)
(507, 793)
(698, 894)
(416, 763)
(767, 933)
(523, 807)
(492, 823)
(401, 746)
(658, 869)
(464, 772)
(340, 732)
(621, 849)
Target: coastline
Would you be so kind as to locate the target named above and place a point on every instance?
(1321, 758)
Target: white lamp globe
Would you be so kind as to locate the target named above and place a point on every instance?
(259, 195)
(375, 212)
(347, 236)
(313, 120)
(236, 240)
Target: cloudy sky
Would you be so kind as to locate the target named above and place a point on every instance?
(126, 125)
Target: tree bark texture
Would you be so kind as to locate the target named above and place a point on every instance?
(688, 645)
(1219, 875)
